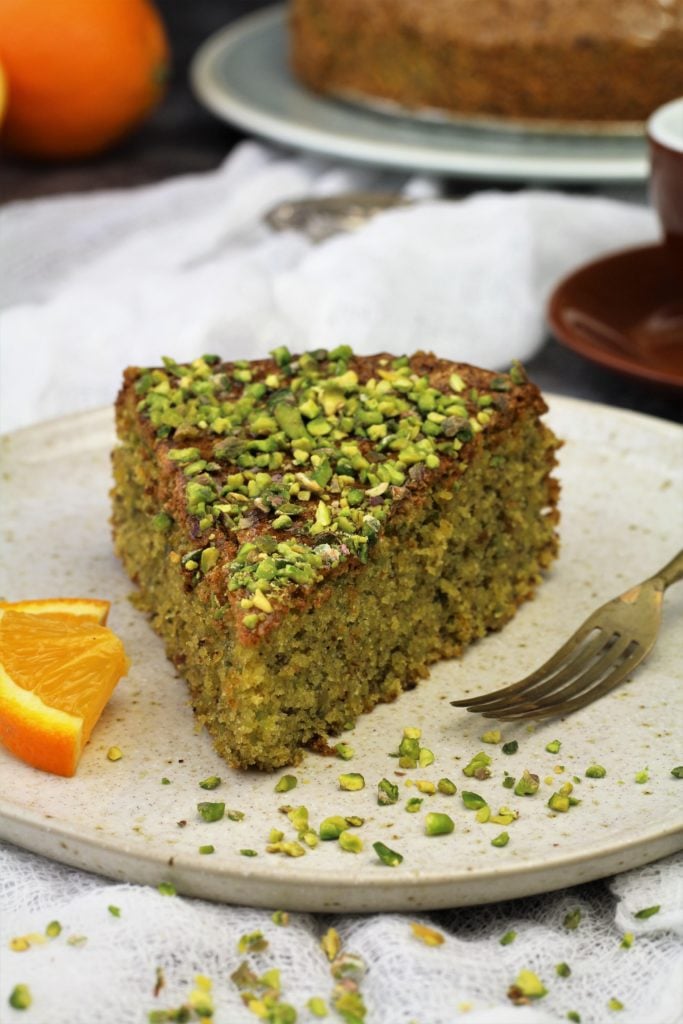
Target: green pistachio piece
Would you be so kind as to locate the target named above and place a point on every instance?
(438, 824)
(351, 781)
(211, 811)
(389, 857)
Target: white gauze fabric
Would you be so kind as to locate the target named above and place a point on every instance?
(94, 282)
(109, 975)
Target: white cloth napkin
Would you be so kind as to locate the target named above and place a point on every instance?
(109, 976)
(92, 283)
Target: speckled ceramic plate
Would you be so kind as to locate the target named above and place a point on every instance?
(622, 479)
(241, 74)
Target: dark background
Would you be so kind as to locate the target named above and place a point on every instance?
(181, 137)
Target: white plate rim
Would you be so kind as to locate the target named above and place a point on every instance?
(250, 115)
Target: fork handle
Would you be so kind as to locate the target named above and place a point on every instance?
(672, 571)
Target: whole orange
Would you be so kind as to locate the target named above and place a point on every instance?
(80, 73)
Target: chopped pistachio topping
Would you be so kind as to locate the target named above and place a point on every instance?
(114, 911)
(286, 783)
(162, 522)
(595, 771)
(386, 855)
(317, 1006)
(280, 918)
(677, 772)
(332, 828)
(387, 793)
(211, 811)
(615, 1004)
(299, 817)
(349, 1004)
(573, 1016)
(114, 754)
(289, 848)
(20, 997)
(563, 970)
(311, 450)
(627, 940)
(425, 757)
(438, 824)
(642, 776)
(553, 747)
(166, 889)
(249, 853)
(354, 821)
(511, 747)
(413, 804)
(505, 816)
(409, 750)
(429, 936)
(350, 842)
(352, 781)
(527, 986)
(344, 751)
(331, 944)
(424, 786)
(562, 800)
(472, 801)
(491, 736)
(447, 787)
(252, 942)
(478, 767)
(53, 929)
(642, 915)
(501, 840)
(572, 919)
(508, 938)
(213, 782)
(207, 849)
(527, 785)
(20, 944)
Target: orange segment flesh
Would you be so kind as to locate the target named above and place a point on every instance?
(66, 608)
(55, 678)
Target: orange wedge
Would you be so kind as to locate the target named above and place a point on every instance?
(56, 676)
(90, 608)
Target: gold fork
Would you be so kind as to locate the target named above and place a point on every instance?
(603, 651)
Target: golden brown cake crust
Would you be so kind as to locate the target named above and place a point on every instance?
(573, 60)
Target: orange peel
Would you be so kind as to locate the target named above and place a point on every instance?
(56, 675)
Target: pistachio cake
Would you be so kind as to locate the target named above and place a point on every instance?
(546, 60)
(309, 532)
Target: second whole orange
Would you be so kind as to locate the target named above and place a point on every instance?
(80, 73)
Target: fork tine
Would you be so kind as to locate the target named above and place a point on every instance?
(528, 690)
(594, 693)
(621, 651)
(554, 662)
(573, 683)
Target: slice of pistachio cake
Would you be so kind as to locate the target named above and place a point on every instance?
(309, 532)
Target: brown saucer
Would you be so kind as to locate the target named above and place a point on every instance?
(625, 312)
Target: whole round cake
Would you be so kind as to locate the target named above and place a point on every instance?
(567, 60)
